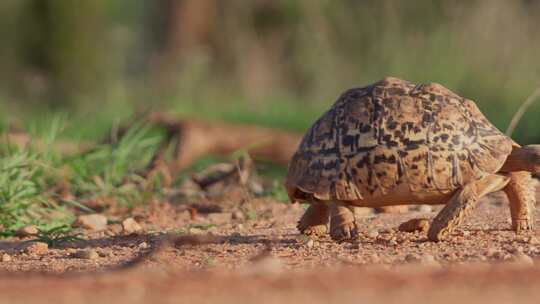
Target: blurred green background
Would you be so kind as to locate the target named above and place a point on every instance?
(278, 63)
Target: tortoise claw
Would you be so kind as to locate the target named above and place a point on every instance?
(344, 232)
(522, 225)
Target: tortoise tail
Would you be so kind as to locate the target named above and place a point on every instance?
(525, 158)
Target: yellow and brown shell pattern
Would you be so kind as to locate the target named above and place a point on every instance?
(395, 132)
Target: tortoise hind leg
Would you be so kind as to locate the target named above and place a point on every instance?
(522, 198)
(462, 203)
(315, 219)
(342, 222)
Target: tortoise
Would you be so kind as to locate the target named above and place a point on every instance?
(398, 143)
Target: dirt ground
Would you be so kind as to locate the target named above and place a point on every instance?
(213, 258)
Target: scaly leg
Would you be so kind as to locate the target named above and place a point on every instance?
(342, 222)
(522, 198)
(462, 204)
(315, 219)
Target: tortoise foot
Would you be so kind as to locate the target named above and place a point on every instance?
(522, 225)
(317, 230)
(342, 223)
(315, 220)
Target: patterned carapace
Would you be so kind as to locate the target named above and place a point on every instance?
(395, 132)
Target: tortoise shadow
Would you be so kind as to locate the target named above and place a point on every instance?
(154, 240)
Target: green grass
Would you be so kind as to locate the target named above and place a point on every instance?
(30, 175)
(56, 236)
(110, 170)
(23, 201)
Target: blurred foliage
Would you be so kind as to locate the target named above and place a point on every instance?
(278, 62)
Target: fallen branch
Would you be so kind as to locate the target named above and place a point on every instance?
(197, 138)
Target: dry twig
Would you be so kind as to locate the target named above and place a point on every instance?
(519, 113)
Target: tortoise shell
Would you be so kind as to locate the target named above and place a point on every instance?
(391, 133)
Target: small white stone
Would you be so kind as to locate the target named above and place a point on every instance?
(27, 231)
(6, 258)
(87, 254)
(94, 222)
(194, 230)
(428, 259)
(130, 226)
(533, 241)
(373, 234)
(425, 208)
(523, 259)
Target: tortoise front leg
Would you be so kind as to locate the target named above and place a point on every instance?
(315, 219)
(522, 198)
(462, 203)
(342, 222)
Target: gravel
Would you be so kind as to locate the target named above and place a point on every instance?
(95, 222)
(130, 226)
(37, 248)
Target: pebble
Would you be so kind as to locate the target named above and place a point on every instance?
(37, 248)
(412, 257)
(130, 226)
(393, 209)
(27, 231)
(373, 234)
(493, 253)
(143, 245)
(425, 209)
(194, 230)
(94, 222)
(114, 229)
(428, 259)
(238, 215)
(86, 254)
(310, 243)
(220, 218)
(533, 241)
(387, 230)
(266, 265)
(6, 258)
(362, 211)
(414, 225)
(523, 259)
(374, 258)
